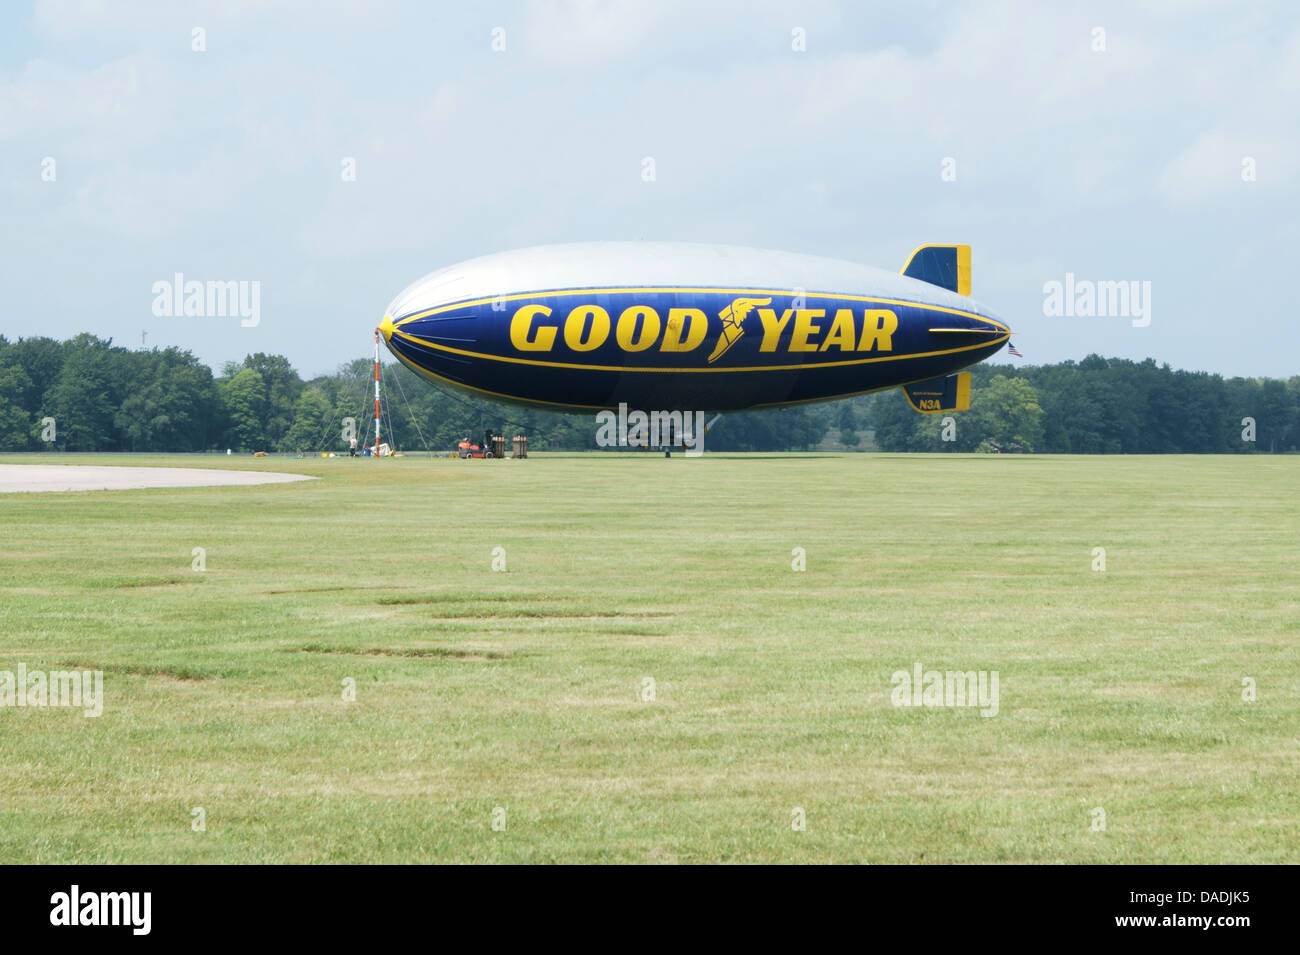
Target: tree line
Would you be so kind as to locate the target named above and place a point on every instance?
(1101, 406)
(87, 394)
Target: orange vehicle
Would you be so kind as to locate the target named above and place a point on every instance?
(493, 446)
(466, 449)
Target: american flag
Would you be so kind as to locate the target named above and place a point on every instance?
(1013, 350)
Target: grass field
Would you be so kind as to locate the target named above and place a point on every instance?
(525, 690)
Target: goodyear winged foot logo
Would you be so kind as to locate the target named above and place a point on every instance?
(733, 317)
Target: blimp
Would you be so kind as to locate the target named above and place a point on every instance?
(685, 326)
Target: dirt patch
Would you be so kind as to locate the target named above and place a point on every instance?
(451, 653)
(165, 674)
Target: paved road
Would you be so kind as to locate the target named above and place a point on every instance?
(75, 477)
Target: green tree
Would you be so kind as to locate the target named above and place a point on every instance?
(244, 398)
(846, 419)
(1006, 413)
(1275, 416)
(311, 429)
(171, 403)
(281, 387)
(894, 421)
(15, 422)
(40, 359)
(82, 399)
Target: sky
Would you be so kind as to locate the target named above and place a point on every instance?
(333, 152)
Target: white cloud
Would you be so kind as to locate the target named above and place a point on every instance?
(1212, 167)
(168, 158)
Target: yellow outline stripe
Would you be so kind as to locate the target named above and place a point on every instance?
(913, 403)
(727, 291)
(963, 391)
(517, 400)
(908, 264)
(662, 370)
(963, 270)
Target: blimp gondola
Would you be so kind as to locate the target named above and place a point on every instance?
(686, 326)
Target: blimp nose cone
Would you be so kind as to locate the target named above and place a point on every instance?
(386, 328)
